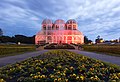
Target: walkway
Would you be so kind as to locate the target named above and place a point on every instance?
(103, 57)
(13, 59)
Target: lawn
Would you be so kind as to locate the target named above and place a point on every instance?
(60, 66)
(7, 50)
(107, 49)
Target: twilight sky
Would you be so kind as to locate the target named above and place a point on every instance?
(94, 17)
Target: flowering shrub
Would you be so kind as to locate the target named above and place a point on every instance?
(60, 66)
(59, 46)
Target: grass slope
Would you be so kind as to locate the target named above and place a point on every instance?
(7, 50)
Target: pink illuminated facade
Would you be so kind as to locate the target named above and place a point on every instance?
(59, 32)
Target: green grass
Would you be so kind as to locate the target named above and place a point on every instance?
(8, 50)
(113, 50)
(60, 66)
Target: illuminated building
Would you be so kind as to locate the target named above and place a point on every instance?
(59, 32)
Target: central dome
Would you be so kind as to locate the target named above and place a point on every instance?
(59, 24)
(59, 21)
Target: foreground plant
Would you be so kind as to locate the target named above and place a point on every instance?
(60, 66)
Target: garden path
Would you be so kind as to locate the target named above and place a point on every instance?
(13, 59)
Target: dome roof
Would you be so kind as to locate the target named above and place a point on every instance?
(59, 21)
(47, 21)
(71, 21)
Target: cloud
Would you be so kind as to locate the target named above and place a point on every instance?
(95, 17)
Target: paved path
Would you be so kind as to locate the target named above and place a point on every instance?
(103, 57)
(13, 59)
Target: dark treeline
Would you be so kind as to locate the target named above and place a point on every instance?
(18, 38)
(86, 40)
(27, 40)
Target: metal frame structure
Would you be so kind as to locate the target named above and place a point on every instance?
(59, 32)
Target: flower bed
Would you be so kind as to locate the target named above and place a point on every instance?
(60, 66)
(59, 46)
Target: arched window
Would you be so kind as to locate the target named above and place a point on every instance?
(49, 38)
(74, 27)
(70, 27)
(49, 33)
(57, 27)
(44, 27)
(49, 27)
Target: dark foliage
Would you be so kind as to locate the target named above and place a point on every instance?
(18, 38)
(59, 46)
(1, 32)
(86, 40)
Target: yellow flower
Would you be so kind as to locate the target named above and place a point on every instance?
(64, 71)
(31, 74)
(2, 80)
(74, 75)
(64, 74)
(41, 62)
(58, 72)
(91, 78)
(55, 80)
(59, 79)
(43, 76)
(39, 76)
(82, 77)
(59, 66)
(51, 76)
(96, 79)
(77, 77)
(54, 69)
(119, 75)
(71, 68)
(38, 72)
(113, 81)
(66, 80)
(35, 77)
(83, 66)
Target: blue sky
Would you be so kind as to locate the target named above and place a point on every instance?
(95, 17)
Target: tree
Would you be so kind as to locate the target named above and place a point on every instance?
(5, 39)
(24, 39)
(1, 32)
(18, 38)
(99, 39)
(86, 40)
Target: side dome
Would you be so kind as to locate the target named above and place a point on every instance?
(71, 21)
(71, 24)
(46, 21)
(47, 24)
